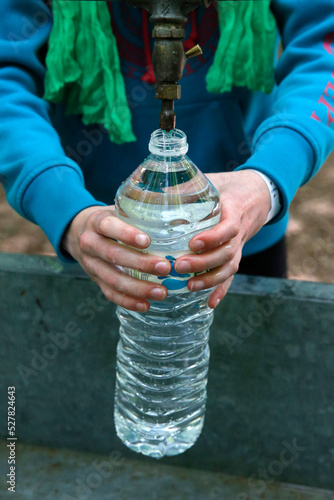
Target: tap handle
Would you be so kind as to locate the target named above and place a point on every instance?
(194, 52)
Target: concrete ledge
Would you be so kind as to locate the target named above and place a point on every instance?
(52, 474)
(270, 405)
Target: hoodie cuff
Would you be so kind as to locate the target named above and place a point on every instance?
(287, 158)
(53, 199)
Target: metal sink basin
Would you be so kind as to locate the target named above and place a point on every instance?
(268, 431)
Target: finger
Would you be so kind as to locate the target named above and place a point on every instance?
(225, 230)
(117, 282)
(215, 276)
(117, 254)
(123, 300)
(197, 263)
(219, 293)
(112, 227)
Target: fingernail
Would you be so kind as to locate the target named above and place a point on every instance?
(162, 267)
(197, 245)
(197, 285)
(141, 307)
(158, 293)
(183, 267)
(142, 240)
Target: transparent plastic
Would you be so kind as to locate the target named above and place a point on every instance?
(163, 354)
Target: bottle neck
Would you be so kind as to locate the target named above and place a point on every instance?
(168, 145)
(167, 159)
(168, 164)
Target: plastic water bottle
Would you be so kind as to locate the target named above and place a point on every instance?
(163, 354)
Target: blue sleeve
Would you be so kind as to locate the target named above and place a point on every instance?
(293, 143)
(41, 182)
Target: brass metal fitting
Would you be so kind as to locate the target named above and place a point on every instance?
(169, 58)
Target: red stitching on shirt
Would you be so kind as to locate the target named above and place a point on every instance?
(329, 43)
(329, 47)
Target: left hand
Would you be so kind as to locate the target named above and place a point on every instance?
(245, 203)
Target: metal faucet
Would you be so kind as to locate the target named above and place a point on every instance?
(169, 58)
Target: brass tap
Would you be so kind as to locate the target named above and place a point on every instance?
(169, 58)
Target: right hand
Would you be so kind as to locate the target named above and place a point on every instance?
(90, 239)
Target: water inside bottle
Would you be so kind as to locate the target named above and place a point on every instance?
(163, 355)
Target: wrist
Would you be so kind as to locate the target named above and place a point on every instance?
(255, 201)
(67, 241)
(245, 189)
(70, 239)
(248, 195)
(255, 193)
(275, 204)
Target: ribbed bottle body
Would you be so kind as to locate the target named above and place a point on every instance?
(162, 367)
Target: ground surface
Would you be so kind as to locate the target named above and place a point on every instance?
(310, 233)
(49, 474)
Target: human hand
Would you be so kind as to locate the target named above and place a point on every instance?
(90, 239)
(245, 203)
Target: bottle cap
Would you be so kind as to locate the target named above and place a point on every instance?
(173, 143)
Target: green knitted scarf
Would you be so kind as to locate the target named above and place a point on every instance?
(83, 67)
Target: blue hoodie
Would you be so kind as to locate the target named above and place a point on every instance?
(52, 166)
